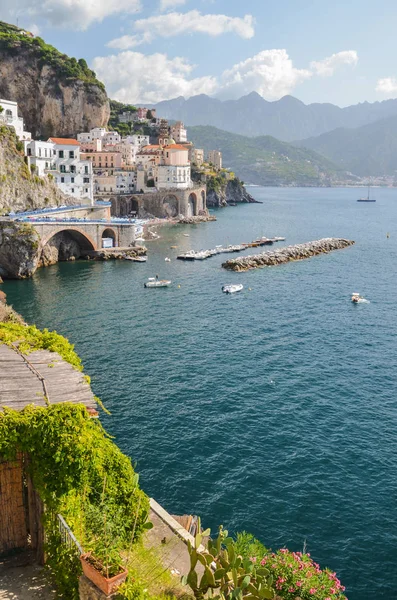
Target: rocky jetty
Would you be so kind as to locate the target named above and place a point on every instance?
(287, 254)
(196, 219)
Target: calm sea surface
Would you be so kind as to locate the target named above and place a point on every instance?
(273, 410)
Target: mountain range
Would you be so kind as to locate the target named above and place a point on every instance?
(266, 161)
(287, 119)
(370, 150)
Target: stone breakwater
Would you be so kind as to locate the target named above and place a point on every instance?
(196, 219)
(287, 254)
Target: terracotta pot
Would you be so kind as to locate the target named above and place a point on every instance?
(107, 586)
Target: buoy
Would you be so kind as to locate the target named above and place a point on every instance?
(387, 235)
(249, 289)
(179, 286)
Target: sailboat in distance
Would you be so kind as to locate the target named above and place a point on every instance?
(367, 199)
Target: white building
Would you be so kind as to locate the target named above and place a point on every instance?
(178, 132)
(9, 116)
(215, 157)
(72, 175)
(110, 138)
(95, 134)
(126, 182)
(40, 156)
(173, 176)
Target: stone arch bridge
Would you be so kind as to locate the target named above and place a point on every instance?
(167, 203)
(87, 236)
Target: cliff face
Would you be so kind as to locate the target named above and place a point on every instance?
(19, 245)
(19, 189)
(224, 193)
(57, 95)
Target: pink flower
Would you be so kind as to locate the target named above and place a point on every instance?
(253, 559)
(263, 561)
(299, 583)
(312, 590)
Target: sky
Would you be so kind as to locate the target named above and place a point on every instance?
(146, 51)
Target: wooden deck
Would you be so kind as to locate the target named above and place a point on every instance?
(41, 378)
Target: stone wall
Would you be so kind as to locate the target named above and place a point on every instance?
(169, 203)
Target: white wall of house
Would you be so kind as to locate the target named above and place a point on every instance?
(10, 117)
(111, 138)
(72, 175)
(40, 155)
(171, 176)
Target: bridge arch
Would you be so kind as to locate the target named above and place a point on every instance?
(192, 205)
(109, 233)
(170, 205)
(65, 244)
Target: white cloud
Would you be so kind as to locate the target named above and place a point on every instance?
(387, 86)
(67, 13)
(136, 77)
(271, 73)
(326, 67)
(166, 4)
(173, 24)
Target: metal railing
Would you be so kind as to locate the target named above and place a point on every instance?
(67, 536)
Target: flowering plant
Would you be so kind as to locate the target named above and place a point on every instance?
(296, 575)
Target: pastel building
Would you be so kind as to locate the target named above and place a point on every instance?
(9, 116)
(174, 170)
(94, 146)
(215, 157)
(104, 160)
(198, 156)
(178, 132)
(72, 173)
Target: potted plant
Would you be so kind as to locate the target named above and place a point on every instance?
(103, 566)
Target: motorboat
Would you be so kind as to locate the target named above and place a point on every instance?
(139, 259)
(232, 289)
(167, 259)
(186, 235)
(356, 298)
(154, 282)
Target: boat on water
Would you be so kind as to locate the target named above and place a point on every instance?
(167, 259)
(368, 198)
(232, 289)
(154, 282)
(356, 299)
(140, 259)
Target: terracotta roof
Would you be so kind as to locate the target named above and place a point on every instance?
(151, 147)
(175, 147)
(64, 141)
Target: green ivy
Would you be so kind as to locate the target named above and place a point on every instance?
(31, 338)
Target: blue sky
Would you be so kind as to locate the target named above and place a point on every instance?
(151, 50)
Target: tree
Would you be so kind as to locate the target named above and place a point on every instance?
(149, 115)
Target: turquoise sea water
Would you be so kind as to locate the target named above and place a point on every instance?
(273, 410)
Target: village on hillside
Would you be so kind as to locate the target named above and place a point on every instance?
(143, 168)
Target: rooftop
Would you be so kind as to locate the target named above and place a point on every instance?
(64, 141)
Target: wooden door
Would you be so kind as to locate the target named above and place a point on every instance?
(13, 527)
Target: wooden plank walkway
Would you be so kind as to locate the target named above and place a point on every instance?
(20, 384)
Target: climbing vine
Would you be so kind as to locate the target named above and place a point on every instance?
(74, 464)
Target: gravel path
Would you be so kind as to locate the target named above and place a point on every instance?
(20, 580)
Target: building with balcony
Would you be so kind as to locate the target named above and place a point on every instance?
(103, 161)
(72, 172)
(9, 116)
(178, 132)
(40, 156)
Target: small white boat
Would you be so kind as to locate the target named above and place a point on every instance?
(232, 289)
(356, 298)
(139, 259)
(153, 282)
(167, 259)
(186, 235)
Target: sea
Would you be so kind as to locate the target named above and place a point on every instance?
(273, 410)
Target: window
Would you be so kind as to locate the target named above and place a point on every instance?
(86, 168)
(61, 154)
(71, 153)
(72, 169)
(86, 180)
(72, 190)
(86, 190)
(54, 152)
(72, 180)
(62, 168)
(62, 180)
(39, 151)
(46, 165)
(29, 152)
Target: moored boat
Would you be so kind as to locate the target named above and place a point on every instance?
(233, 288)
(154, 282)
(139, 259)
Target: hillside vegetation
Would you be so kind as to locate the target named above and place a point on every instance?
(57, 95)
(370, 150)
(265, 160)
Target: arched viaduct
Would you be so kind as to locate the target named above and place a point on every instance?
(167, 203)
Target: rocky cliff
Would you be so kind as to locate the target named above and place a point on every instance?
(57, 95)
(223, 193)
(19, 188)
(19, 244)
